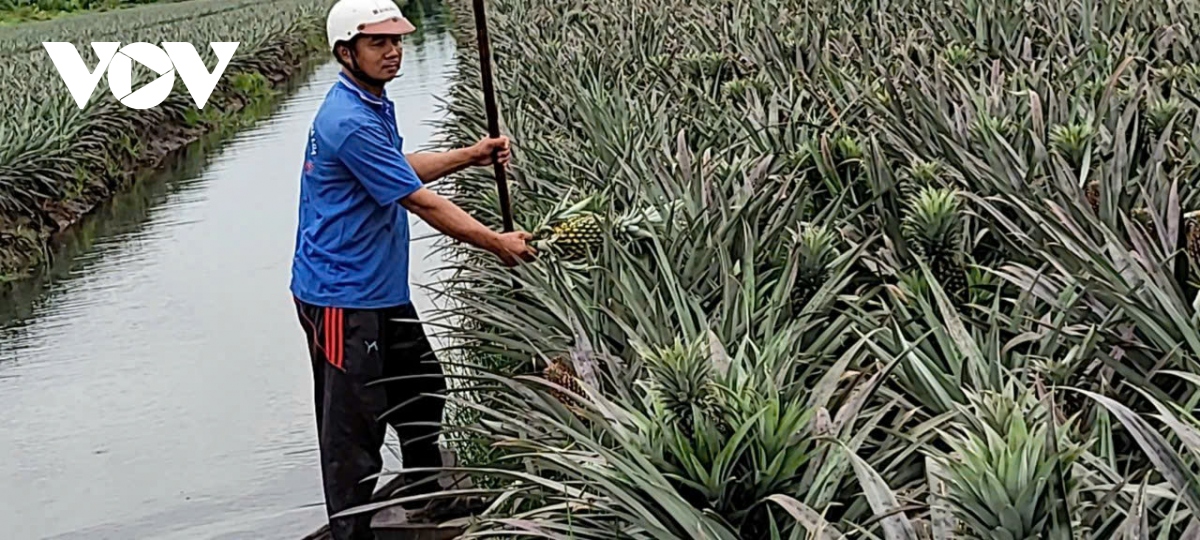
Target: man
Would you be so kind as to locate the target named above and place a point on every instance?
(350, 268)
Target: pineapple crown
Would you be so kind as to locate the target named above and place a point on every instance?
(815, 247)
(679, 372)
(1159, 112)
(958, 55)
(848, 148)
(933, 221)
(985, 122)
(1072, 139)
(925, 172)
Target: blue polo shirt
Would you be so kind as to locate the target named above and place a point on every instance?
(352, 238)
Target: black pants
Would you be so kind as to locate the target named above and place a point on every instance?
(350, 349)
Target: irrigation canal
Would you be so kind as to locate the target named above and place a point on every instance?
(155, 384)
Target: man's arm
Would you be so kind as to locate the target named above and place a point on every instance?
(390, 179)
(431, 166)
(452, 221)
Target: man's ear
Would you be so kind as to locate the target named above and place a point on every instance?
(344, 51)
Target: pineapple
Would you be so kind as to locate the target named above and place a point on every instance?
(707, 64)
(560, 372)
(1093, 88)
(681, 385)
(921, 174)
(848, 156)
(985, 123)
(848, 148)
(933, 227)
(739, 88)
(1092, 192)
(815, 249)
(1142, 216)
(574, 231)
(578, 236)
(1191, 223)
(579, 230)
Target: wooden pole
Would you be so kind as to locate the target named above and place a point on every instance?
(493, 117)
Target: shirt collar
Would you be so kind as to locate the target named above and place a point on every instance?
(362, 93)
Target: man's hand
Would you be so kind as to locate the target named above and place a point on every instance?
(512, 248)
(481, 152)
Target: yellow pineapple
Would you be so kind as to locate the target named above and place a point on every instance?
(560, 372)
(1191, 223)
(578, 236)
(1093, 195)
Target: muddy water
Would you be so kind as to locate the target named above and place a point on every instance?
(156, 385)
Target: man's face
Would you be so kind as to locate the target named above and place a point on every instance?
(379, 56)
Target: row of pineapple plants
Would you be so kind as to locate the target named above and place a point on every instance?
(57, 161)
(825, 270)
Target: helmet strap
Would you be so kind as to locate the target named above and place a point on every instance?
(357, 71)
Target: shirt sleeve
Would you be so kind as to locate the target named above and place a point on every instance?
(379, 166)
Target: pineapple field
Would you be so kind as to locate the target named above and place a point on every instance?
(57, 161)
(889, 270)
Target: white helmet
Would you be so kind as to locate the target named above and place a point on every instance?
(348, 18)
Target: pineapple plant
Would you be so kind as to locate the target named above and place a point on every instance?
(933, 227)
(1000, 475)
(681, 385)
(814, 248)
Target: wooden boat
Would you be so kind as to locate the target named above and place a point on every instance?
(394, 523)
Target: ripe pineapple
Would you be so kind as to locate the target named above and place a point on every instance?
(1191, 223)
(578, 236)
(815, 249)
(1093, 195)
(933, 227)
(560, 372)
